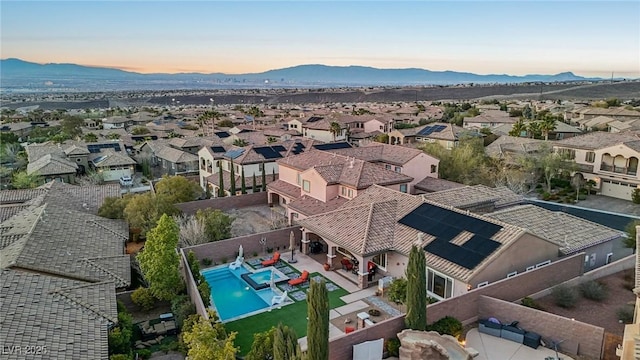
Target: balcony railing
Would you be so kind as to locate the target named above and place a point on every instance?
(619, 169)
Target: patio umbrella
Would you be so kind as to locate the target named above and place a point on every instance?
(240, 251)
(292, 244)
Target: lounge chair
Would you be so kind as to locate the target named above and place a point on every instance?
(236, 264)
(347, 265)
(273, 260)
(278, 298)
(304, 277)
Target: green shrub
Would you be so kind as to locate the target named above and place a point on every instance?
(594, 290)
(170, 346)
(635, 196)
(625, 314)
(120, 357)
(447, 325)
(529, 302)
(582, 197)
(564, 296)
(143, 298)
(144, 354)
(224, 260)
(205, 293)
(182, 308)
(546, 196)
(397, 291)
(206, 261)
(393, 346)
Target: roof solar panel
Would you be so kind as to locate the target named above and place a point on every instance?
(439, 128)
(218, 149)
(222, 134)
(279, 148)
(267, 152)
(332, 146)
(234, 153)
(314, 119)
(445, 225)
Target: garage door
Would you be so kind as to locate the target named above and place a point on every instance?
(617, 189)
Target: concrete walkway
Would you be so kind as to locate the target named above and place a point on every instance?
(491, 347)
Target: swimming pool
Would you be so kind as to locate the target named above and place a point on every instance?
(232, 297)
(263, 276)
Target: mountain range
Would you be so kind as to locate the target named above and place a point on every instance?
(19, 75)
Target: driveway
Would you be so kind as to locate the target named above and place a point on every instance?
(491, 347)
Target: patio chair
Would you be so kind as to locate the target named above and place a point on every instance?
(304, 277)
(347, 265)
(274, 260)
(278, 298)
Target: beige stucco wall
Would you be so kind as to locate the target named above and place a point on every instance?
(528, 250)
(287, 174)
(318, 186)
(374, 125)
(420, 167)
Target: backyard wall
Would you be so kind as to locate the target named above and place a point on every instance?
(192, 287)
(577, 338)
(224, 203)
(342, 347)
(465, 307)
(228, 249)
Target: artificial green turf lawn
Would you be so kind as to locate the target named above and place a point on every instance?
(294, 315)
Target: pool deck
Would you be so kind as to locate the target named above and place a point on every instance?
(353, 300)
(492, 347)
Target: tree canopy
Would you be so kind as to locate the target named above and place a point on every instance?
(159, 260)
(217, 224)
(177, 189)
(22, 180)
(207, 340)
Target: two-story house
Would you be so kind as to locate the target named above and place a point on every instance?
(320, 129)
(609, 159)
(249, 162)
(488, 119)
(444, 134)
(408, 161)
(320, 181)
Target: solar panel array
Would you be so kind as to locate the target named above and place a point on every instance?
(96, 148)
(234, 153)
(267, 152)
(445, 225)
(297, 148)
(222, 134)
(333, 146)
(314, 119)
(279, 148)
(218, 149)
(431, 129)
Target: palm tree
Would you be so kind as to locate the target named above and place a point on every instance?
(533, 129)
(547, 125)
(335, 129)
(518, 127)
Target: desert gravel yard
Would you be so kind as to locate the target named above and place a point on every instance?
(255, 219)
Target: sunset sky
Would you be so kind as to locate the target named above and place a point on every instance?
(518, 37)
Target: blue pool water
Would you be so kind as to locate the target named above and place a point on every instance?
(233, 297)
(264, 276)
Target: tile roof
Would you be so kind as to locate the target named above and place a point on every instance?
(507, 145)
(309, 206)
(67, 243)
(51, 165)
(341, 169)
(175, 156)
(111, 158)
(369, 224)
(20, 196)
(572, 234)
(70, 318)
(284, 188)
(431, 184)
(597, 140)
(492, 116)
(470, 196)
(377, 152)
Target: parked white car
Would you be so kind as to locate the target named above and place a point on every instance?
(126, 180)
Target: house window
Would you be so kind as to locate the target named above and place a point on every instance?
(512, 274)
(590, 156)
(482, 284)
(388, 167)
(434, 169)
(261, 167)
(299, 179)
(439, 285)
(380, 260)
(403, 188)
(592, 260)
(306, 185)
(547, 262)
(530, 268)
(609, 258)
(398, 169)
